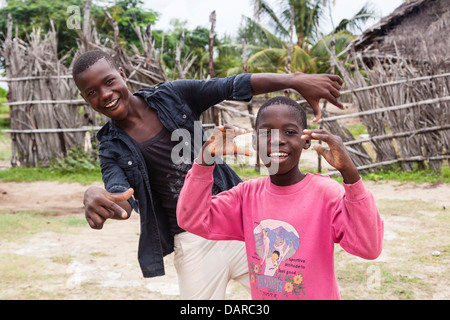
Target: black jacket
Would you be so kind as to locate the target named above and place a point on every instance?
(179, 105)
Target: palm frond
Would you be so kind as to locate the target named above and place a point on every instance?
(302, 61)
(266, 11)
(353, 24)
(256, 34)
(268, 60)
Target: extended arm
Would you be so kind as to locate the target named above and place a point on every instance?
(357, 225)
(111, 202)
(201, 95)
(312, 87)
(216, 217)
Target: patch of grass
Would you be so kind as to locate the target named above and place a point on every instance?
(64, 259)
(410, 208)
(21, 225)
(27, 278)
(357, 129)
(45, 174)
(98, 254)
(408, 268)
(417, 176)
(385, 174)
(5, 145)
(247, 172)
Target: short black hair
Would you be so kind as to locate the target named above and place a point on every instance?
(87, 59)
(298, 112)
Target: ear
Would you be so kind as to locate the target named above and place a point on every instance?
(307, 144)
(122, 74)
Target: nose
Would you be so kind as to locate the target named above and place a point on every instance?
(277, 138)
(105, 94)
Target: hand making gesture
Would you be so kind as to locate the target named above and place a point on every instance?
(312, 87)
(222, 143)
(336, 154)
(101, 205)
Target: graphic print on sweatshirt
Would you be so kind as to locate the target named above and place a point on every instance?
(274, 271)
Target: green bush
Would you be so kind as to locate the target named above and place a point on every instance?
(76, 160)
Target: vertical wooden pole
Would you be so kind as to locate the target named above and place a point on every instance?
(212, 19)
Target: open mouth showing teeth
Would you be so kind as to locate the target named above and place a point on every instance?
(278, 154)
(112, 103)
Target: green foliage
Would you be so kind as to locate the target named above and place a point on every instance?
(4, 111)
(356, 129)
(309, 54)
(354, 23)
(30, 223)
(268, 42)
(321, 54)
(417, 176)
(258, 36)
(45, 174)
(78, 166)
(392, 173)
(195, 45)
(126, 13)
(77, 160)
(32, 14)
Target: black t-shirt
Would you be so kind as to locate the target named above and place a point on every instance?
(166, 174)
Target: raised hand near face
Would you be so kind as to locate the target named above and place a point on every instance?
(320, 86)
(222, 143)
(336, 154)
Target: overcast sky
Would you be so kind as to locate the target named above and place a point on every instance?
(229, 12)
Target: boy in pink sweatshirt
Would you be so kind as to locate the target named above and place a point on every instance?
(289, 221)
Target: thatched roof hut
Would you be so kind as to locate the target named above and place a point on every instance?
(416, 30)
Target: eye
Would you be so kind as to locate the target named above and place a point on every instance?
(264, 132)
(90, 93)
(290, 132)
(109, 81)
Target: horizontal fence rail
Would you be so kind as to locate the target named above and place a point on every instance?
(232, 107)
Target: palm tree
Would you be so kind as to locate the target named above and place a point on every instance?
(276, 52)
(268, 53)
(307, 14)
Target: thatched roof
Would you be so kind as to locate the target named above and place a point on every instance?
(416, 29)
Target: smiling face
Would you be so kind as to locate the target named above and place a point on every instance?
(105, 89)
(278, 136)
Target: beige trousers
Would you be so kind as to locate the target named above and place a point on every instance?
(204, 267)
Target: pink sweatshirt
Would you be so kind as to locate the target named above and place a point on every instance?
(289, 232)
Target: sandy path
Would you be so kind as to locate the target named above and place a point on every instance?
(108, 258)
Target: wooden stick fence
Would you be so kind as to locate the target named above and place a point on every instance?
(405, 109)
(232, 107)
(47, 118)
(406, 113)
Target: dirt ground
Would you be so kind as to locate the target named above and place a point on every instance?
(102, 264)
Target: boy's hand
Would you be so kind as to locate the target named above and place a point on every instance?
(221, 143)
(101, 205)
(314, 87)
(336, 155)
